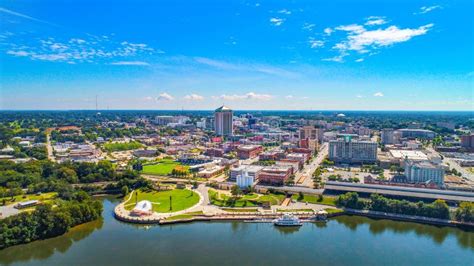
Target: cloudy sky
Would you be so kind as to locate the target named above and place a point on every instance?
(286, 55)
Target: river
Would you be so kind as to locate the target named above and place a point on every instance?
(345, 240)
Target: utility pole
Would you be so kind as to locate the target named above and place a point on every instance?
(171, 203)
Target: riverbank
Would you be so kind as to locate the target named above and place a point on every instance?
(124, 216)
(385, 242)
(409, 218)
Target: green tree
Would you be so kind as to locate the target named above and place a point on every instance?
(125, 191)
(465, 212)
(235, 190)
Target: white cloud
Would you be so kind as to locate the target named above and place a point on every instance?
(285, 12)
(359, 96)
(265, 69)
(316, 43)
(359, 60)
(247, 96)
(13, 13)
(18, 53)
(308, 26)
(378, 94)
(77, 50)
(277, 21)
(375, 20)
(216, 63)
(164, 97)
(352, 28)
(289, 96)
(361, 40)
(194, 97)
(130, 63)
(75, 40)
(328, 31)
(338, 58)
(426, 9)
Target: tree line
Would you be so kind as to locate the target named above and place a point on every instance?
(47, 221)
(46, 176)
(438, 209)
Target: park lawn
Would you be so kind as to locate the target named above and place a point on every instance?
(181, 199)
(249, 200)
(164, 167)
(329, 210)
(240, 210)
(115, 146)
(188, 215)
(295, 210)
(314, 199)
(44, 198)
(274, 199)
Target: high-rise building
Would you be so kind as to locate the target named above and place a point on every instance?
(467, 142)
(310, 132)
(223, 121)
(346, 150)
(424, 171)
(387, 136)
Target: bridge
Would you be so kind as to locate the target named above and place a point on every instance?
(448, 195)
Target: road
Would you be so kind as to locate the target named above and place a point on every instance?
(453, 164)
(8, 210)
(309, 169)
(293, 189)
(48, 146)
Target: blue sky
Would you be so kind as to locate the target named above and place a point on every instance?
(302, 55)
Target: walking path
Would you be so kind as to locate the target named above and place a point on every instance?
(216, 213)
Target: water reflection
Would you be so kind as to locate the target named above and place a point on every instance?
(43, 249)
(285, 230)
(379, 226)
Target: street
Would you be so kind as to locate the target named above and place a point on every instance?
(309, 169)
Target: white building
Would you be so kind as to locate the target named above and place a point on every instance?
(201, 124)
(348, 151)
(164, 120)
(251, 170)
(245, 180)
(421, 172)
(223, 121)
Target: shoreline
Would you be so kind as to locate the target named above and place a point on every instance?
(302, 215)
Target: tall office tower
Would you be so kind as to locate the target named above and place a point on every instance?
(346, 150)
(223, 120)
(310, 132)
(387, 136)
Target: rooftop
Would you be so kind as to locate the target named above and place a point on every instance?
(223, 108)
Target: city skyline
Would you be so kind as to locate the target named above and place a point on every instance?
(249, 55)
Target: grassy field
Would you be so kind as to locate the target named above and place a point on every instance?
(181, 199)
(314, 199)
(333, 210)
(132, 145)
(249, 200)
(188, 215)
(239, 210)
(295, 210)
(164, 167)
(44, 197)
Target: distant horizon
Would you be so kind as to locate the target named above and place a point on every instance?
(235, 110)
